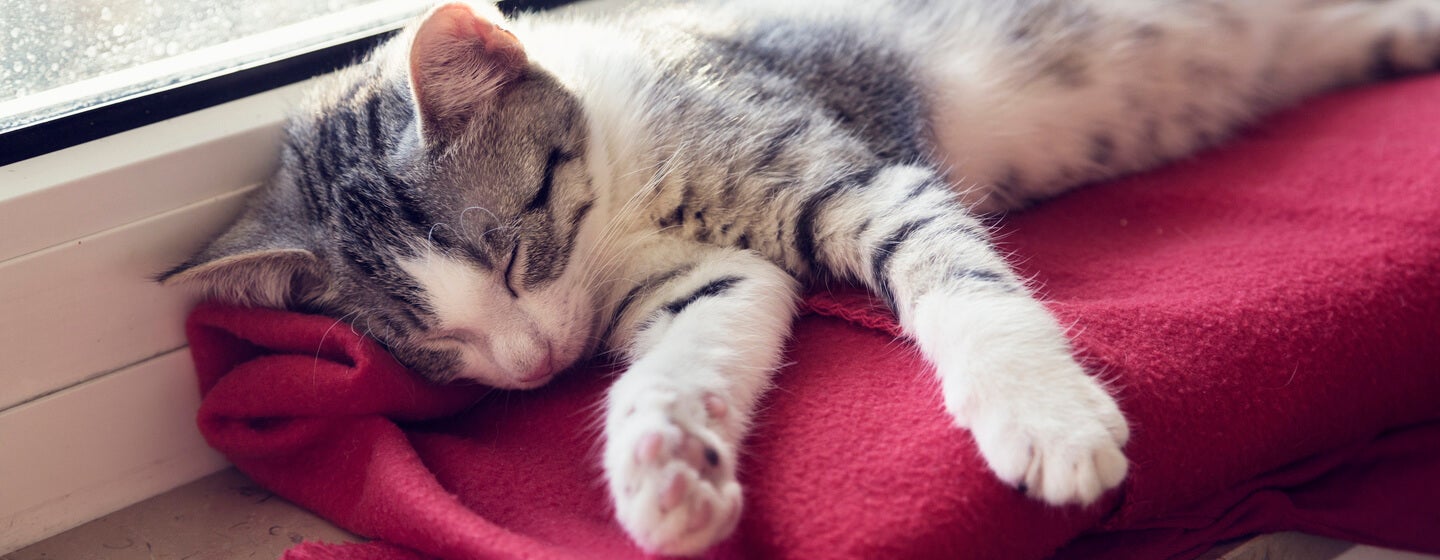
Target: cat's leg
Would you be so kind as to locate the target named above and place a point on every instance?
(1003, 361)
(703, 330)
(1329, 43)
(1077, 91)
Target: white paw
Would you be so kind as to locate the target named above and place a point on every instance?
(671, 475)
(1060, 444)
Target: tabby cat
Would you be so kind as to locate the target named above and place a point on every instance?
(495, 200)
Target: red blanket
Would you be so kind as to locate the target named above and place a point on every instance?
(1269, 313)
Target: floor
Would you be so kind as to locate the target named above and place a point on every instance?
(226, 515)
(222, 516)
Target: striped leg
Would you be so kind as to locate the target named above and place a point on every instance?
(1004, 364)
(1341, 42)
(703, 332)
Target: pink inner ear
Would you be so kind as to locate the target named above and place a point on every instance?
(458, 26)
(458, 58)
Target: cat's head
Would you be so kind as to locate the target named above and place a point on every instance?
(432, 196)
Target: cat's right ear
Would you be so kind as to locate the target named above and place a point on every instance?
(253, 264)
(458, 60)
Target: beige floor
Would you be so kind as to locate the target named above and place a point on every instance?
(226, 515)
(222, 516)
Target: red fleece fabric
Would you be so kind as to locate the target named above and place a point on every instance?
(1268, 312)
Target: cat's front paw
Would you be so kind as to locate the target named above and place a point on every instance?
(671, 475)
(1060, 444)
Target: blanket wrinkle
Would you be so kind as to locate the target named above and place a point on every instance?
(1267, 312)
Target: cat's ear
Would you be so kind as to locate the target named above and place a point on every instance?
(458, 60)
(253, 264)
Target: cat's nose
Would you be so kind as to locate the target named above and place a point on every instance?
(543, 368)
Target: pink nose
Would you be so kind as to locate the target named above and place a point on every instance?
(543, 368)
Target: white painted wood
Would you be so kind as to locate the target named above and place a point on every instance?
(88, 307)
(97, 394)
(116, 180)
(100, 446)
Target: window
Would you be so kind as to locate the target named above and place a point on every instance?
(78, 70)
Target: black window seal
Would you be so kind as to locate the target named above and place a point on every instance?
(94, 123)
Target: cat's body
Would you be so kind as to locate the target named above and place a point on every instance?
(660, 184)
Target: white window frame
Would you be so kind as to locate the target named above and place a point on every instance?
(97, 391)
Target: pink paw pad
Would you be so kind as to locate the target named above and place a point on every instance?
(700, 517)
(649, 449)
(674, 493)
(715, 406)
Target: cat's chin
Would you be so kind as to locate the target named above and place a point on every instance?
(534, 382)
(537, 376)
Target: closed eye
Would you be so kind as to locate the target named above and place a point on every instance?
(510, 270)
(547, 181)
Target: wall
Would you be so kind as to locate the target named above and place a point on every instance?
(97, 392)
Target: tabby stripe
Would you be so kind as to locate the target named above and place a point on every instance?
(714, 288)
(319, 163)
(416, 323)
(978, 274)
(307, 187)
(374, 126)
(862, 228)
(731, 186)
(404, 203)
(810, 210)
(1102, 149)
(779, 143)
(575, 224)
(641, 291)
(340, 141)
(478, 256)
(880, 257)
(1382, 58)
(929, 182)
(647, 287)
(361, 261)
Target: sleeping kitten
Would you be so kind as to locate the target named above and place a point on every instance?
(497, 200)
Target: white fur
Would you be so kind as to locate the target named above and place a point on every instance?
(503, 341)
(1003, 362)
(1006, 373)
(694, 382)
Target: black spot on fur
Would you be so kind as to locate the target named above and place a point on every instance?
(1102, 149)
(1069, 70)
(1382, 58)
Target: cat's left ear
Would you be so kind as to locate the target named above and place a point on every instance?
(459, 59)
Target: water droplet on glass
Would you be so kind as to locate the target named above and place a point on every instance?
(15, 32)
(106, 14)
(18, 66)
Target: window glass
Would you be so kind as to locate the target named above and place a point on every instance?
(62, 56)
